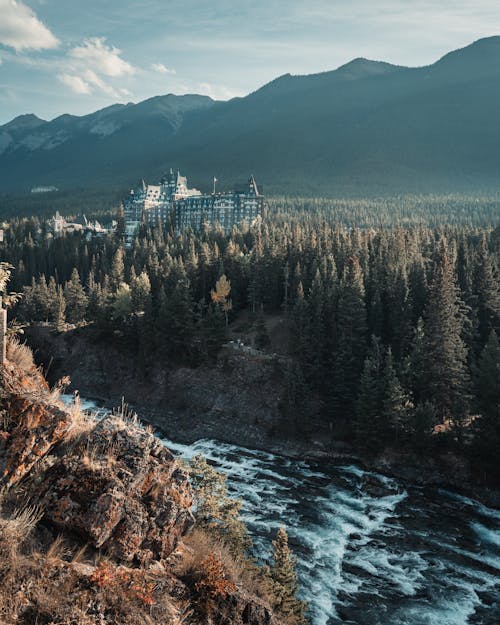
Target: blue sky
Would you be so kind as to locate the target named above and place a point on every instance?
(75, 56)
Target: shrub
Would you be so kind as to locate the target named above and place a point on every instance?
(213, 584)
(20, 354)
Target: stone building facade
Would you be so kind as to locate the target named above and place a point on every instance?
(189, 207)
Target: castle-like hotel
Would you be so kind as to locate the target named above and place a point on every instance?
(153, 203)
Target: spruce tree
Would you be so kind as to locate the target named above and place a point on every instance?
(214, 509)
(284, 581)
(316, 350)
(487, 426)
(351, 338)
(368, 404)
(300, 331)
(445, 354)
(396, 404)
(60, 311)
(488, 379)
(262, 340)
(117, 269)
(76, 299)
(487, 287)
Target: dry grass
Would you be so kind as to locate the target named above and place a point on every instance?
(200, 545)
(23, 521)
(58, 550)
(81, 423)
(20, 354)
(46, 585)
(126, 415)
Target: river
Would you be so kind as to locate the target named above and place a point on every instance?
(370, 550)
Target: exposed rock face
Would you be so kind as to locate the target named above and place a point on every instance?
(110, 485)
(121, 489)
(116, 485)
(244, 609)
(239, 395)
(29, 428)
(34, 435)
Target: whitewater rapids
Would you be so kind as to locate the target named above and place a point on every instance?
(370, 551)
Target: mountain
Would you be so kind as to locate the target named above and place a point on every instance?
(365, 128)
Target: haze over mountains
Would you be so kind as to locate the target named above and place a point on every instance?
(366, 128)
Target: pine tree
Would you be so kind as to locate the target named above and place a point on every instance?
(76, 299)
(368, 404)
(445, 354)
(396, 403)
(41, 299)
(487, 287)
(121, 303)
(117, 269)
(351, 338)
(53, 298)
(140, 292)
(214, 509)
(488, 399)
(60, 311)
(284, 581)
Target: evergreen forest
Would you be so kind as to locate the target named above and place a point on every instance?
(393, 326)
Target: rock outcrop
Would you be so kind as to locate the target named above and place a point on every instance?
(115, 484)
(29, 427)
(109, 493)
(121, 490)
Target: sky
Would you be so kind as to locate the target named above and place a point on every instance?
(76, 56)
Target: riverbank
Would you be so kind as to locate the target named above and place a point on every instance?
(445, 472)
(237, 400)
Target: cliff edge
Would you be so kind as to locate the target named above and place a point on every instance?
(96, 520)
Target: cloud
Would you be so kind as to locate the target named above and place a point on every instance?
(22, 30)
(218, 92)
(161, 69)
(75, 83)
(100, 57)
(93, 66)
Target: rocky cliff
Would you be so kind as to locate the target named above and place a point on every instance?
(238, 398)
(95, 520)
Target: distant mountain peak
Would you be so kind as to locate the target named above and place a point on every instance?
(365, 125)
(480, 59)
(28, 120)
(361, 68)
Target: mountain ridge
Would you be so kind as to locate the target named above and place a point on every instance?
(366, 127)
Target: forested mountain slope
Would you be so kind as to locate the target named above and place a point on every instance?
(365, 128)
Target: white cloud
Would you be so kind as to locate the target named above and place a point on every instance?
(22, 30)
(218, 92)
(100, 57)
(98, 83)
(75, 83)
(93, 67)
(161, 69)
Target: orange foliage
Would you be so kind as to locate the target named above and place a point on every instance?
(214, 583)
(103, 575)
(132, 583)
